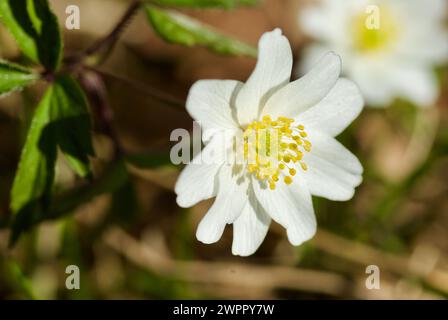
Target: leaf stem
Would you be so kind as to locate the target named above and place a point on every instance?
(109, 40)
(97, 93)
(151, 91)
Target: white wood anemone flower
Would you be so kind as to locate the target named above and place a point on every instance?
(389, 47)
(269, 145)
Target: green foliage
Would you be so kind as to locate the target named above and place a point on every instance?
(36, 168)
(17, 279)
(178, 28)
(35, 29)
(71, 124)
(227, 4)
(13, 77)
(112, 180)
(61, 120)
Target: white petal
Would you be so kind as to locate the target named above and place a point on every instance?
(290, 206)
(209, 102)
(333, 171)
(383, 80)
(324, 21)
(427, 45)
(416, 83)
(370, 77)
(197, 181)
(298, 96)
(424, 36)
(250, 229)
(229, 204)
(336, 111)
(273, 70)
(310, 57)
(428, 10)
(314, 22)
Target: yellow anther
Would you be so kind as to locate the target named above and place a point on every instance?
(288, 180)
(266, 119)
(307, 146)
(274, 144)
(375, 39)
(304, 166)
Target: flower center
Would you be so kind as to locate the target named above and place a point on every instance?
(374, 33)
(274, 149)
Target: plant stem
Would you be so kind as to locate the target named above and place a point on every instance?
(155, 93)
(96, 91)
(107, 41)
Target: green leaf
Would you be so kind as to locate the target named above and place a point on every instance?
(13, 77)
(61, 120)
(35, 172)
(35, 29)
(15, 276)
(114, 177)
(227, 4)
(178, 28)
(72, 125)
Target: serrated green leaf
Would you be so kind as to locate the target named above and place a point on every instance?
(61, 120)
(227, 4)
(35, 29)
(13, 77)
(181, 29)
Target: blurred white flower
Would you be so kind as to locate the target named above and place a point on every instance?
(388, 47)
(277, 176)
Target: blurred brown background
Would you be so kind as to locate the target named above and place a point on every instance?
(138, 244)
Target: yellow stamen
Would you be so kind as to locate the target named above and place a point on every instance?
(304, 166)
(274, 144)
(375, 31)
